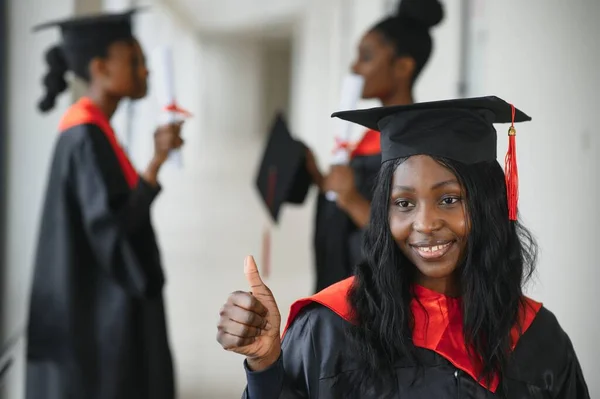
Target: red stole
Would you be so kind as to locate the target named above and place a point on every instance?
(443, 334)
(85, 112)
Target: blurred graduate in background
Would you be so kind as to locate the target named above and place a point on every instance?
(97, 327)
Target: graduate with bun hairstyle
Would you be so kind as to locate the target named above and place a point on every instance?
(436, 309)
(97, 327)
(391, 56)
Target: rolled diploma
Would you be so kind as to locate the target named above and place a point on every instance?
(352, 88)
(168, 82)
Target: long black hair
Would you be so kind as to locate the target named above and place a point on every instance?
(500, 258)
(408, 30)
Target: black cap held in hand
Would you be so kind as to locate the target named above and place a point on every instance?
(282, 175)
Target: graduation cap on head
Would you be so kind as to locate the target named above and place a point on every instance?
(461, 130)
(92, 29)
(282, 176)
(86, 37)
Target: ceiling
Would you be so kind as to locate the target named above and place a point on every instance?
(237, 16)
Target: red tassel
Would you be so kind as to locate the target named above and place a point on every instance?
(266, 247)
(511, 171)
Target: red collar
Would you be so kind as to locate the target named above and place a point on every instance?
(438, 323)
(85, 112)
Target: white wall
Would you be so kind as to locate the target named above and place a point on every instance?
(543, 57)
(276, 57)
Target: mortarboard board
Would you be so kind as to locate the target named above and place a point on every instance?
(461, 130)
(86, 37)
(282, 176)
(92, 29)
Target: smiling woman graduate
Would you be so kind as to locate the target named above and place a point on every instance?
(436, 309)
(97, 326)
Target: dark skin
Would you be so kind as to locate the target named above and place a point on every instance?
(250, 322)
(388, 78)
(123, 74)
(426, 211)
(429, 221)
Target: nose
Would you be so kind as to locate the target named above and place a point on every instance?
(427, 220)
(354, 67)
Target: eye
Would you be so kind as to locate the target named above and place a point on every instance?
(402, 203)
(450, 200)
(365, 57)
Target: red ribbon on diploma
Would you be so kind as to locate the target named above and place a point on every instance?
(173, 107)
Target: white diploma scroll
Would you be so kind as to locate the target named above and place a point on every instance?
(352, 88)
(171, 111)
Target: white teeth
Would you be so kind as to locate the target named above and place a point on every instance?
(433, 248)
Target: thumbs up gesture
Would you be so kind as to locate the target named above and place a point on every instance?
(250, 322)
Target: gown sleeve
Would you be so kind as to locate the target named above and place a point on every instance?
(110, 211)
(136, 209)
(571, 384)
(296, 374)
(546, 362)
(559, 366)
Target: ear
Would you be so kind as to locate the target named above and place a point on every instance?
(404, 67)
(98, 69)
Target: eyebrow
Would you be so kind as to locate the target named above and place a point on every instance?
(434, 187)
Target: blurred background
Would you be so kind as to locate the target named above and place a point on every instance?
(236, 63)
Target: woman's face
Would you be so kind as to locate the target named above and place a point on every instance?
(126, 74)
(376, 64)
(428, 219)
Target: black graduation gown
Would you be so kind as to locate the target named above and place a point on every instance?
(337, 240)
(97, 325)
(316, 363)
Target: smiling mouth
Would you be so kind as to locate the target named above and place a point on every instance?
(430, 252)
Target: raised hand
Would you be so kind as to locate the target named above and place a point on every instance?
(250, 322)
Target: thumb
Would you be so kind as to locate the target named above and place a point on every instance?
(253, 277)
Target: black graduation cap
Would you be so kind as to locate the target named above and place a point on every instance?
(93, 29)
(460, 129)
(282, 176)
(85, 37)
